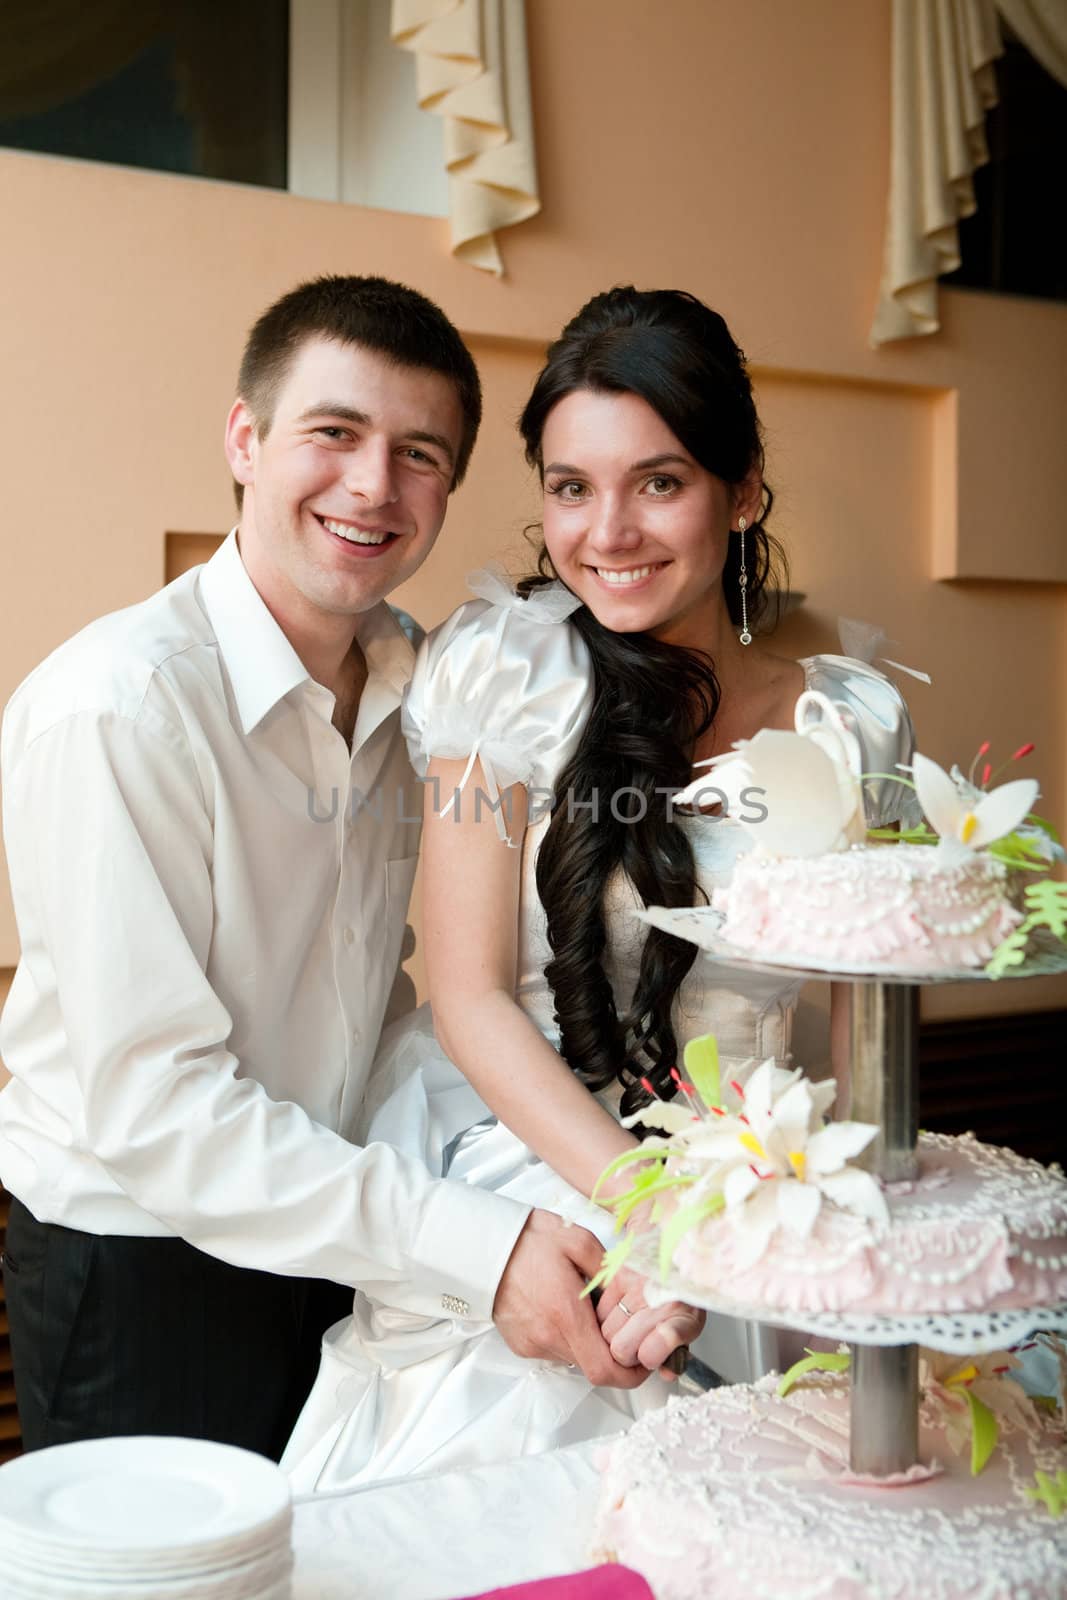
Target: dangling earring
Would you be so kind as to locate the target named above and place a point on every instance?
(742, 580)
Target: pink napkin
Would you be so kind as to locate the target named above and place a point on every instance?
(609, 1582)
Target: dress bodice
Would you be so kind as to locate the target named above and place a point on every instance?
(749, 1013)
(510, 681)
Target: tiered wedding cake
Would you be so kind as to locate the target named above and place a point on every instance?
(761, 1210)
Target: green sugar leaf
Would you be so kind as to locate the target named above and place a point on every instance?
(612, 1260)
(1011, 952)
(678, 1226)
(1047, 904)
(1017, 853)
(641, 1152)
(1049, 1491)
(984, 1433)
(645, 1189)
(814, 1361)
(701, 1057)
(919, 835)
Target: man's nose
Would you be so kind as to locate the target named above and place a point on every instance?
(370, 473)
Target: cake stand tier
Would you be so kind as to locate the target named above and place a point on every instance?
(964, 1333)
(882, 1087)
(740, 1493)
(701, 925)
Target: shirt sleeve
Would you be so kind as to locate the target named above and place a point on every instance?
(110, 846)
(876, 712)
(510, 685)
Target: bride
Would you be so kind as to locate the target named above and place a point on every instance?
(552, 721)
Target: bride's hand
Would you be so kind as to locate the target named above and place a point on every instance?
(642, 1335)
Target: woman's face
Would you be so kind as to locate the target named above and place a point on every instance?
(634, 526)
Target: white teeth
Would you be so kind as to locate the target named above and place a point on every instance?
(630, 575)
(344, 530)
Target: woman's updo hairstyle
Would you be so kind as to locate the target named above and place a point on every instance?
(652, 701)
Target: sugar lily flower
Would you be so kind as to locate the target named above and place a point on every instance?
(762, 1149)
(773, 1157)
(808, 782)
(970, 820)
(796, 1160)
(1036, 839)
(972, 1397)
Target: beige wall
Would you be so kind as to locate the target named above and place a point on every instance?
(734, 147)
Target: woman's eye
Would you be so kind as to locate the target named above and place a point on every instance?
(570, 489)
(662, 484)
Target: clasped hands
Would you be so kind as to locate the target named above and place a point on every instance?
(541, 1314)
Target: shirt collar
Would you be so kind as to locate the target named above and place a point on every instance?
(262, 665)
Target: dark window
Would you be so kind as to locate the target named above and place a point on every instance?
(1014, 243)
(198, 86)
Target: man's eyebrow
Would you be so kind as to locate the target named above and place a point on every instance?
(331, 408)
(666, 459)
(346, 413)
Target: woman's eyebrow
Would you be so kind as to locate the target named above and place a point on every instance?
(669, 458)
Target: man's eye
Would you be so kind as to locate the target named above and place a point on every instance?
(420, 455)
(333, 433)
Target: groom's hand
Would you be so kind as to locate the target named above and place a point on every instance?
(538, 1307)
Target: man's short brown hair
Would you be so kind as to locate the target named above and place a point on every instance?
(397, 322)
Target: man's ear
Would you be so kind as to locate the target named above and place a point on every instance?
(241, 437)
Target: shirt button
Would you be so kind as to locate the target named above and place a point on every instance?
(349, 936)
(356, 1036)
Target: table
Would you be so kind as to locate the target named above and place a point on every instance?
(449, 1535)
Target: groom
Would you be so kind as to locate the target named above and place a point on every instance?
(207, 955)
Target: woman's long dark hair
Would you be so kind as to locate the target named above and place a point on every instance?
(652, 701)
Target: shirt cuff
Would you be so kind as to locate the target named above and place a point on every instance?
(463, 1245)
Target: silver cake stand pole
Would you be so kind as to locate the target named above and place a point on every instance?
(884, 1089)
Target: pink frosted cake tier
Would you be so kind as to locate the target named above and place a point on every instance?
(980, 1229)
(904, 908)
(738, 1495)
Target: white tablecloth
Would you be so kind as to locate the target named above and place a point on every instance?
(452, 1535)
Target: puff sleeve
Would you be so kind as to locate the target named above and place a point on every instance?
(875, 711)
(507, 682)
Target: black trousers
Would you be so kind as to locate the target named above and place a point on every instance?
(117, 1335)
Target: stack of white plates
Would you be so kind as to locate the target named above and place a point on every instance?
(144, 1519)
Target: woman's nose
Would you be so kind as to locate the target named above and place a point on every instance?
(610, 528)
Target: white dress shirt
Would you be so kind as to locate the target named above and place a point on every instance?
(211, 894)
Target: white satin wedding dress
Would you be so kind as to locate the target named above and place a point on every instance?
(509, 682)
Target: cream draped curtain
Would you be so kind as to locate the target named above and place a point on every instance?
(471, 70)
(942, 85)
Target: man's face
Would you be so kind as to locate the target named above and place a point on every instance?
(347, 492)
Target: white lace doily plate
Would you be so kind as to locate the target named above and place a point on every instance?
(965, 1333)
(701, 924)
